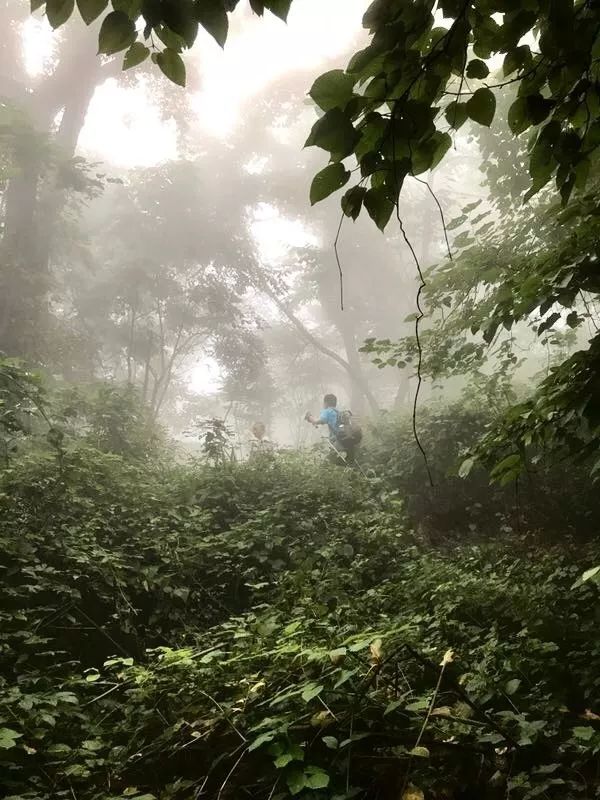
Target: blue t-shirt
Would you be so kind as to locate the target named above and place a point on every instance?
(330, 416)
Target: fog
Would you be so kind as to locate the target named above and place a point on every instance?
(163, 237)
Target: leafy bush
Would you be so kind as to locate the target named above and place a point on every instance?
(463, 499)
(275, 629)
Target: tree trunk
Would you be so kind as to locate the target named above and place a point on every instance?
(360, 388)
(31, 209)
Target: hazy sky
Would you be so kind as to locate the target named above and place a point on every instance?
(123, 126)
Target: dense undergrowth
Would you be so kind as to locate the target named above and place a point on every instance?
(281, 628)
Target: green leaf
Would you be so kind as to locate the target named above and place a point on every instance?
(333, 89)
(311, 691)
(442, 143)
(418, 705)
(281, 8)
(8, 738)
(262, 739)
(512, 686)
(117, 33)
(345, 675)
(482, 106)
(331, 742)
(130, 7)
(295, 781)
(466, 467)
(352, 201)
(335, 133)
(59, 11)
(328, 180)
(538, 107)
(518, 116)
(91, 9)
(315, 778)
(584, 733)
(137, 53)
(379, 206)
(590, 574)
(420, 752)
(172, 66)
(515, 59)
(477, 69)
(283, 760)
(456, 114)
(213, 18)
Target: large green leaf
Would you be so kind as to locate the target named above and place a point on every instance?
(335, 133)
(281, 8)
(456, 114)
(171, 64)
(116, 33)
(333, 89)
(137, 53)
(482, 106)
(328, 180)
(311, 691)
(59, 11)
(295, 781)
(8, 738)
(379, 206)
(130, 7)
(518, 118)
(352, 201)
(213, 18)
(477, 69)
(316, 778)
(91, 9)
(442, 143)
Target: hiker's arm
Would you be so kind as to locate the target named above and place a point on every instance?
(309, 418)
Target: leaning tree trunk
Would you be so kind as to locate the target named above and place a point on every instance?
(356, 377)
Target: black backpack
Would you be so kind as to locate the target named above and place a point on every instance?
(349, 432)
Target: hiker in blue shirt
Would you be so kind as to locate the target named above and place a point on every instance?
(330, 416)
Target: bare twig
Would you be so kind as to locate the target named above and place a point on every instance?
(337, 258)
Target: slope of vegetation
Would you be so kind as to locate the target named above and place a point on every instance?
(277, 629)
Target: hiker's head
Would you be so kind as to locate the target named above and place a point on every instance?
(329, 401)
(259, 430)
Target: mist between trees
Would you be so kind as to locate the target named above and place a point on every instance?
(202, 595)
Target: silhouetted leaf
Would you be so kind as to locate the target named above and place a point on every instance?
(477, 69)
(379, 206)
(328, 180)
(171, 64)
(482, 106)
(137, 53)
(333, 89)
(456, 114)
(91, 9)
(213, 18)
(352, 201)
(116, 33)
(59, 11)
